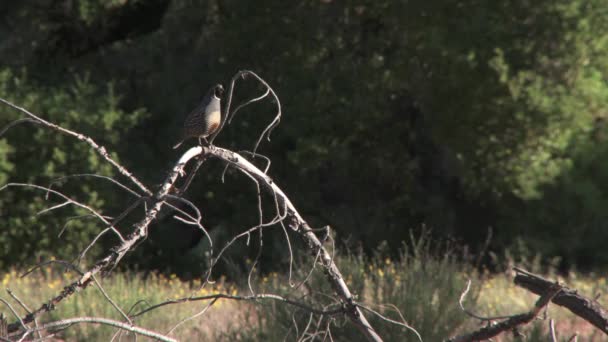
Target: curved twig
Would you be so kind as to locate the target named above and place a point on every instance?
(15, 123)
(227, 115)
(242, 105)
(472, 314)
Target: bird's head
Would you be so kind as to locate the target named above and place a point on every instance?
(218, 91)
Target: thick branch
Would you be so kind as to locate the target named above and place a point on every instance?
(588, 309)
(297, 223)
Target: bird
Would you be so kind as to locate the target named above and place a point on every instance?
(205, 119)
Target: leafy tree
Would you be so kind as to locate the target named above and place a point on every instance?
(29, 154)
(460, 115)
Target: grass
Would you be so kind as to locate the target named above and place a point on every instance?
(422, 284)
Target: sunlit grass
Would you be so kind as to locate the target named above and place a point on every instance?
(423, 287)
(133, 292)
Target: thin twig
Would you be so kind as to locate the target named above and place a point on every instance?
(99, 149)
(552, 330)
(110, 322)
(299, 225)
(202, 312)
(472, 314)
(384, 318)
(94, 175)
(112, 302)
(15, 123)
(242, 105)
(70, 200)
(25, 307)
(140, 231)
(257, 297)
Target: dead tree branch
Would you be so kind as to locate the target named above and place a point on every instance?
(99, 149)
(261, 296)
(286, 216)
(512, 322)
(106, 264)
(588, 309)
(100, 320)
(301, 227)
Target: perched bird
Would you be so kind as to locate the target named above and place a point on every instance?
(205, 119)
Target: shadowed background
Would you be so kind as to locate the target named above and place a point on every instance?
(458, 116)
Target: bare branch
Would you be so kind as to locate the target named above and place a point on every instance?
(199, 162)
(15, 123)
(25, 307)
(193, 221)
(94, 175)
(100, 149)
(588, 309)
(254, 298)
(472, 314)
(512, 322)
(100, 320)
(21, 322)
(112, 302)
(384, 318)
(202, 312)
(298, 225)
(257, 155)
(44, 263)
(70, 201)
(139, 233)
(227, 115)
(552, 331)
(286, 215)
(239, 107)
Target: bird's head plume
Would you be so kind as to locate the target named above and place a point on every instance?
(218, 91)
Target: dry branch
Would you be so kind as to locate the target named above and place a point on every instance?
(286, 215)
(588, 309)
(301, 227)
(33, 118)
(254, 298)
(105, 321)
(111, 260)
(512, 322)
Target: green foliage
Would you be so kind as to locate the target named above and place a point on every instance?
(459, 115)
(37, 155)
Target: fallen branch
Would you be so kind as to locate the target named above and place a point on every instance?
(254, 298)
(511, 322)
(588, 309)
(105, 321)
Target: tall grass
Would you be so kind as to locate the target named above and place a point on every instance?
(420, 287)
